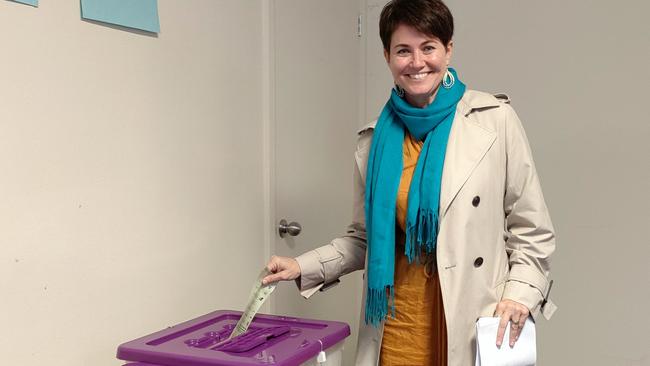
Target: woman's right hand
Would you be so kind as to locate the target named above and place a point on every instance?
(282, 269)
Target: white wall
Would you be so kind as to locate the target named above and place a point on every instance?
(131, 186)
(577, 73)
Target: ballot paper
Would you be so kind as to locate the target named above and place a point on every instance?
(259, 294)
(524, 352)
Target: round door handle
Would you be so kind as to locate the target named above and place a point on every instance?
(292, 228)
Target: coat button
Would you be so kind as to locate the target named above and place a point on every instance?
(476, 201)
(478, 262)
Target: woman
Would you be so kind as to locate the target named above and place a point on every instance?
(449, 218)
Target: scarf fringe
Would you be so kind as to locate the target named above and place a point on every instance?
(422, 235)
(377, 303)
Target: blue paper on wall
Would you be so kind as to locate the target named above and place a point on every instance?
(139, 14)
(28, 2)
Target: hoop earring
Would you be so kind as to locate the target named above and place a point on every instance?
(399, 90)
(448, 80)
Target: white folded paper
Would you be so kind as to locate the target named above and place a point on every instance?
(524, 353)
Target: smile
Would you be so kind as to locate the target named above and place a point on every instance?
(418, 76)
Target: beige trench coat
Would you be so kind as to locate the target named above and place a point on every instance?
(495, 236)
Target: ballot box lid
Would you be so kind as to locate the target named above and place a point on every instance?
(270, 339)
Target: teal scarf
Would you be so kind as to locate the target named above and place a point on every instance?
(431, 124)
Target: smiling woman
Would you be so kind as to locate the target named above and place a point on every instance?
(447, 208)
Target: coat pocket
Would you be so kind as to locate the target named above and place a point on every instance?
(500, 285)
(498, 289)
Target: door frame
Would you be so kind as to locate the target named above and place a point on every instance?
(268, 136)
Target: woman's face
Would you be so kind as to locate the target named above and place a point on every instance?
(418, 63)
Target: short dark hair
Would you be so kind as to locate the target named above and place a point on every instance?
(430, 17)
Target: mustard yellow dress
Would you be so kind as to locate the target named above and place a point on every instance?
(417, 336)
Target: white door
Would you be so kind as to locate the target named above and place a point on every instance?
(316, 81)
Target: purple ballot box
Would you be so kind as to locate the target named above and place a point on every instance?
(270, 340)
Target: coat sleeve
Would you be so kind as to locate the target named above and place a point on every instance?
(530, 234)
(320, 268)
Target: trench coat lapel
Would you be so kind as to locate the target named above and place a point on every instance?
(468, 144)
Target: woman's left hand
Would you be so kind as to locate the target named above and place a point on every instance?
(513, 312)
